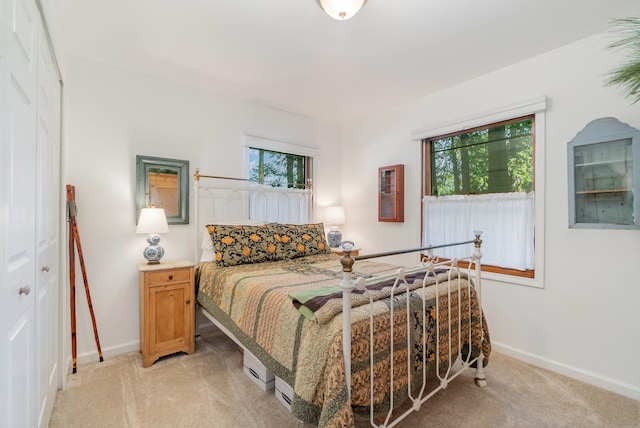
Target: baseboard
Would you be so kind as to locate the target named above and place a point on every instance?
(595, 379)
(111, 351)
(92, 356)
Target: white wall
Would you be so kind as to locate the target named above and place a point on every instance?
(112, 116)
(584, 322)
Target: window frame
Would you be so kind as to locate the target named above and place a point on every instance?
(427, 152)
(536, 107)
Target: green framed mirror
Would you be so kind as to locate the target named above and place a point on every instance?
(164, 183)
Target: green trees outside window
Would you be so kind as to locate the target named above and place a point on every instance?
(496, 158)
(278, 169)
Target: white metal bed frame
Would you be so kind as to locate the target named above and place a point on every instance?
(431, 263)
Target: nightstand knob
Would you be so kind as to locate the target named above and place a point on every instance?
(188, 301)
(170, 276)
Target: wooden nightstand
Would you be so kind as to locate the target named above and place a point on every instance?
(354, 253)
(167, 309)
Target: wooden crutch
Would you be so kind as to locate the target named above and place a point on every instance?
(74, 238)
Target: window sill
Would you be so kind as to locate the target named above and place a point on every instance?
(510, 276)
(511, 279)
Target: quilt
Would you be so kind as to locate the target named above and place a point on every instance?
(256, 303)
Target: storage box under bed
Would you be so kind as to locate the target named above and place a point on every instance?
(284, 392)
(257, 372)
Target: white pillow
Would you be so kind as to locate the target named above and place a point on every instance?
(208, 253)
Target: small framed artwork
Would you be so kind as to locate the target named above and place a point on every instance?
(391, 193)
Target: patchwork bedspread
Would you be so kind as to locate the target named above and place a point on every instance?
(254, 302)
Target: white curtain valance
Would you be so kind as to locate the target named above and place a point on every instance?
(506, 220)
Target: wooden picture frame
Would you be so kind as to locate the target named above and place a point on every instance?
(163, 183)
(391, 193)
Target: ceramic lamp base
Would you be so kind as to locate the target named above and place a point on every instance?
(154, 252)
(334, 237)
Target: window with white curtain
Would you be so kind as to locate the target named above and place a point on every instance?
(280, 186)
(483, 179)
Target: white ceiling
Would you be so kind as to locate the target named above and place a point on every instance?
(290, 55)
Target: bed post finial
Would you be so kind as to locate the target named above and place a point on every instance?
(478, 241)
(347, 261)
(196, 174)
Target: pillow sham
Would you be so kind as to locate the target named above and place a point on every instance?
(206, 245)
(233, 245)
(242, 244)
(299, 240)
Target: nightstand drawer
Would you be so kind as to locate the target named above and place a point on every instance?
(169, 276)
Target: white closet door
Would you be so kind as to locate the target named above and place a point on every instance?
(47, 232)
(18, 285)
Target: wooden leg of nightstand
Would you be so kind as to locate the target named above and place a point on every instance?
(148, 361)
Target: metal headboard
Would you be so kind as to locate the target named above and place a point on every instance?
(236, 200)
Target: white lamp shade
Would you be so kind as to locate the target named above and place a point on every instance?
(334, 215)
(152, 220)
(341, 9)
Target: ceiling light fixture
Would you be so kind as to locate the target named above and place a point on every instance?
(341, 10)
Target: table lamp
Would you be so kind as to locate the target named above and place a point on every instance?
(153, 221)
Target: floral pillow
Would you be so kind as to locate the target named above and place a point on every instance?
(242, 244)
(299, 240)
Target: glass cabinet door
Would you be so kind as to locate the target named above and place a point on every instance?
(602, 177)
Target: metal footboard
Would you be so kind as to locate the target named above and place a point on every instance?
(417, 390)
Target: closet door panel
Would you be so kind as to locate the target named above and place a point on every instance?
(47, 233)
(19, 288)
(20, 253)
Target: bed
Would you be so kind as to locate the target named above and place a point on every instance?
(341, 330)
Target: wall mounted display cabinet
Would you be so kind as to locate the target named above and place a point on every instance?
(391, 193)
(604, 174)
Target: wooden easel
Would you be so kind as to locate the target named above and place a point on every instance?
(74, 241)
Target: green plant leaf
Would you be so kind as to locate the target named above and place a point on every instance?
(626, 34)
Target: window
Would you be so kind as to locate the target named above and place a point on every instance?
(280, 186)
(483, 178)
(494, 159)
(279, 169)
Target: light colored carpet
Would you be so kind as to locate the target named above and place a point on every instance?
(209, 389)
